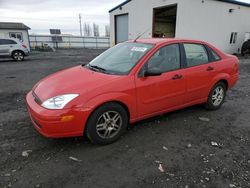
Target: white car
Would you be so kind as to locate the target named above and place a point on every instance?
(13, 48)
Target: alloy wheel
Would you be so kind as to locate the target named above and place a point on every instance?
(109, 124)
(218, 96)
(18, 56)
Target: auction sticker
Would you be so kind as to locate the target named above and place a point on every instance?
(138, 49)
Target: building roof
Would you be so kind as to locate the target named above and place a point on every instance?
(226, 1)
(120, 5)
(236, 2)
(13, 25)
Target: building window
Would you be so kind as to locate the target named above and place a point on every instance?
(233, 37)
(16, 35)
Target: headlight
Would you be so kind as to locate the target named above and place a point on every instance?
(58, 102)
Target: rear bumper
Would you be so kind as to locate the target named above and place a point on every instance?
(233, 80)
(49, 122)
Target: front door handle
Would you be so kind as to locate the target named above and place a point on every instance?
(176, 77)
(210, 68)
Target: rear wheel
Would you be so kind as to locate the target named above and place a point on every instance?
(107, 123)
(18, 55)
(216, 96)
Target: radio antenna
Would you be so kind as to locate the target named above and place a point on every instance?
(139, 36)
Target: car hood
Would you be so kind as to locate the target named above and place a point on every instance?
(76, 80)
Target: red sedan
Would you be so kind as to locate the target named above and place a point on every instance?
(130, 82)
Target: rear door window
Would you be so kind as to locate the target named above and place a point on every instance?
(6, 42)
(196, 54)
(215, 56)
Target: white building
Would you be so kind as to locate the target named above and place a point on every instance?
(15, 30)
(223, 23)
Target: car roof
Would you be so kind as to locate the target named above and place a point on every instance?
(157, 41)
(163, 41)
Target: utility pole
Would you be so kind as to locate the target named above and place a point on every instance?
(80, 21)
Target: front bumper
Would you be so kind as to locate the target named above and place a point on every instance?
(26, 52)
(49, 123)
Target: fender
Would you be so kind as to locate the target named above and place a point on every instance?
(127, 100)
(217, 78)
(15, 49)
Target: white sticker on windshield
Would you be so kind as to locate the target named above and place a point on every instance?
(139, 49)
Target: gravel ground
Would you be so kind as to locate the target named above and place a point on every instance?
(187, 148)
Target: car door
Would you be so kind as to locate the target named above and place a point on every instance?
(159, 93)
(3, 49)
(199, 71)
(5, 46)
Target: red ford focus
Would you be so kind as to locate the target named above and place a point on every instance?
(130, 82)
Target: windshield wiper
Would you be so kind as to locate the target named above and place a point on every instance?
(96, 68)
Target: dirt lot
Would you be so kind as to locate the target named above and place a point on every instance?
(179, 141)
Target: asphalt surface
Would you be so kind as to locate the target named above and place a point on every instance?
(192, 147)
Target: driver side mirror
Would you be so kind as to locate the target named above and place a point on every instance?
(152, 72)
(145, 72)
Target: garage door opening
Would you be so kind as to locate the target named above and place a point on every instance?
(164, 21)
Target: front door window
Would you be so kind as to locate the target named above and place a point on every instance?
(166, 59)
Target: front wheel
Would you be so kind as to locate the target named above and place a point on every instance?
(216, 96)
(107, 124)
(18, 56)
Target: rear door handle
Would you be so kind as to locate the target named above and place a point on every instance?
(210, 68)
(176, 77)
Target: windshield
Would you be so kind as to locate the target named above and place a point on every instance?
(120, 59)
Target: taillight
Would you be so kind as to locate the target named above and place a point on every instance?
(24, 46)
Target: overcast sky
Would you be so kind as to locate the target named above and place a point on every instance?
(41, 15)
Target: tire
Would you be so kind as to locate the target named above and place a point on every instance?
(216, 96)
(107, 124)
(18, 55)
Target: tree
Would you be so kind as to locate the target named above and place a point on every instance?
(96, 30)
(87, 30)
(107, 31)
